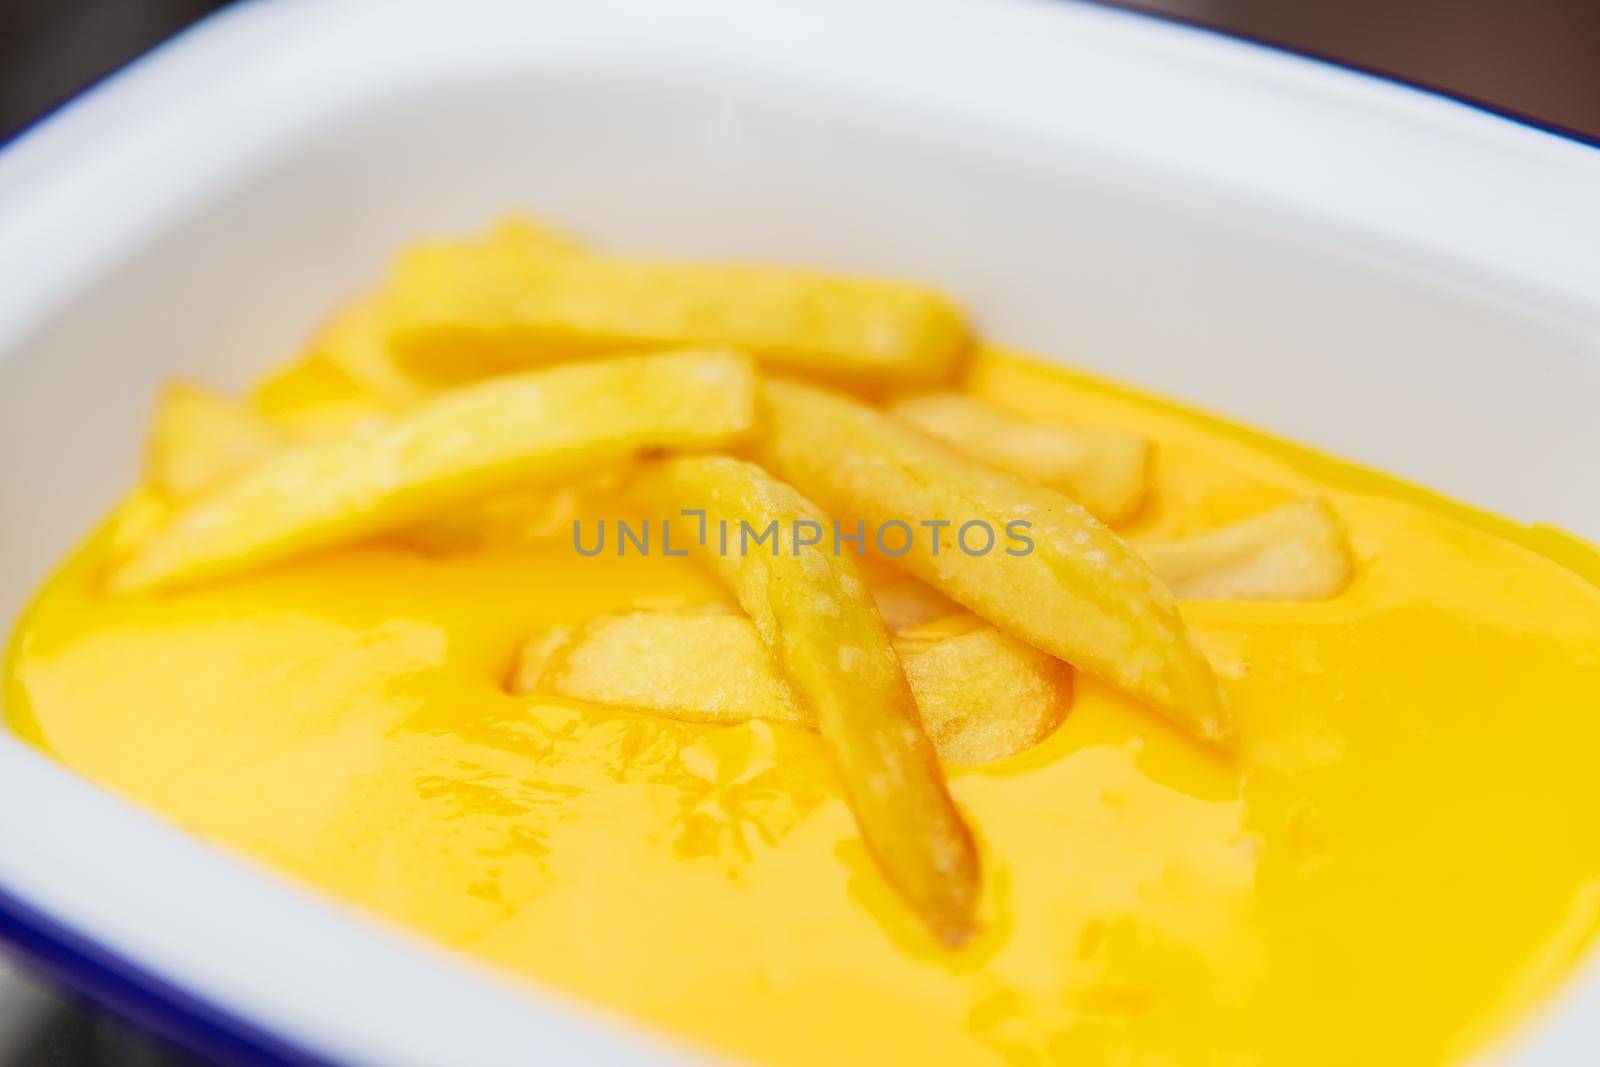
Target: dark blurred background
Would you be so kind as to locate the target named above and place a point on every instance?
(1538, 58)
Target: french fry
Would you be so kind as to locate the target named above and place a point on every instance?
(1294, 552)
(522, 516)
(695, 664)
(981, 695)
(472, 442)
(313, 397)
(538, 660)
(524, 233)
(199, 438)
(356, 340)
(905, 602)
(141, 513)
(1068, 585)
(815, 615)
(455, 312)
(1105, 470)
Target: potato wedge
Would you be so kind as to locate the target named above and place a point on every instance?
(528, 429)
(1294, 552)
(1072, 588)
(463, 311)
(198, 438)
(982, 695)
(814, 613)
(1106, 470)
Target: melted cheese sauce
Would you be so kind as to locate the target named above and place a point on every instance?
(1399, 861)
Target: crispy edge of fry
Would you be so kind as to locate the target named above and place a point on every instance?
(1106, 470)
(1080, 593)
(1298, 551)
(815, 614)
(457, 447)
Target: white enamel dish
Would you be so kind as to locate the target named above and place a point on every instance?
(1308, 249)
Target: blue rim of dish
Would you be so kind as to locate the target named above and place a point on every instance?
(151, 1004)
(189, 1021)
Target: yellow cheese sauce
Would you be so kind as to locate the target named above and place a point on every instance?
(1398, 862)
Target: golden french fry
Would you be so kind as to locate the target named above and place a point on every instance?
(1294, 552)
(455, 312)
(199, 438)
(815, 615)
(905, 602)
(522, 516)
(519, 517)
(1035, 564)
(694, 664)
(140, 514)
(535, 667)
(1106, 470)
(981, 694)
(472, 442)
(525, 233)
(356, 340)
(312, 397)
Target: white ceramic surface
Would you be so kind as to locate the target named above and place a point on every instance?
(1313, 251)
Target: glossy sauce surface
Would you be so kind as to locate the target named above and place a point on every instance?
(1398, 862)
